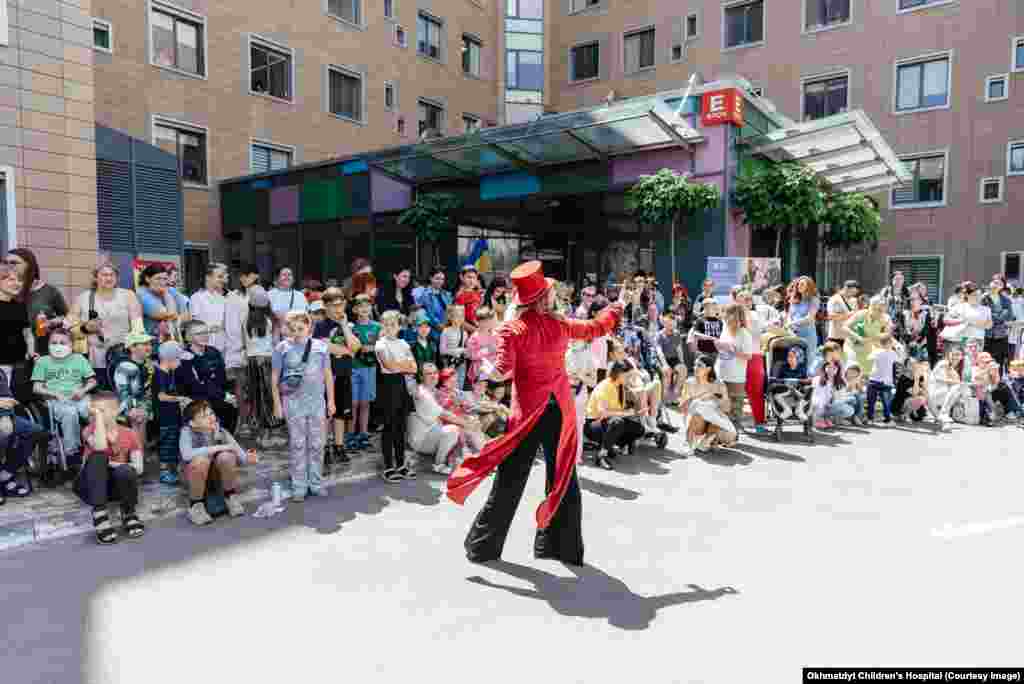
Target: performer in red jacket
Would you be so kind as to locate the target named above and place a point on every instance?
(531, 350)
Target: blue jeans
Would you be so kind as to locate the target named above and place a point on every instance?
(840, 410)
(68, 414)
(809, 334)
(878, 390)
(856, 404)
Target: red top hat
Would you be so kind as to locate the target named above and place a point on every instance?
(445, 374)
(530, 283)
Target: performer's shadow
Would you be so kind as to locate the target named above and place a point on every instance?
(593, 593)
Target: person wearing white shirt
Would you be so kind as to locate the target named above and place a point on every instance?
(431, 430)
(284, 298)
(735, 349)
(970, 319)
(209, 305)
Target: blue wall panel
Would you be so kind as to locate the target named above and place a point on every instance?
(505, 185)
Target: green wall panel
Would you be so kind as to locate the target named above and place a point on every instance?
(238, 208)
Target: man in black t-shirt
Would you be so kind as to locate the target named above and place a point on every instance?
(709, 325)
(15, 327)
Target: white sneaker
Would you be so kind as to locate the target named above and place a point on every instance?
(442, 469)
(801, 413)
(198, 515)
(235, 507)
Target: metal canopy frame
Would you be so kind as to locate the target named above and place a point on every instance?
(827, 141)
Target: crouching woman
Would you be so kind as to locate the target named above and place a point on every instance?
(706, 401)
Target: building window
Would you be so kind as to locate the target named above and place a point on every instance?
(1012, 265)
(346, 10)
(744, 24)
(580, 5)
(428, 36)
(824, 13)
(525, 70)
(389, 8)
(400, 39)
(431, 118)
(923, 84)
(102, 35)
(584, 61)
(264, 157)
(1015, 158)
(177, 41)
(270, 70)
(928, 185)
(525, 9)
(346, 94)
(188, 144)
(1018, 53)
(470, 123)
(920, 269)
(400, 125)
(825, 97)
(997, 87)
(638, 51)
(470, 55)
(913, 4)
(389, 96)
(991, 190)
(691, 26)
(677, 53)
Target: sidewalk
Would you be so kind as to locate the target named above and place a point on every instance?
(54, 513)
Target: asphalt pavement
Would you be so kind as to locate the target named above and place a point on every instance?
(884, 547)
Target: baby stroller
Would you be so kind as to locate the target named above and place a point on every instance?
(776, 349)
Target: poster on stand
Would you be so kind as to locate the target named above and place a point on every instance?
(755, 273)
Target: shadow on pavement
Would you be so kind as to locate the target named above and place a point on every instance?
(646, 461)
(593, 593)
(727, 457)
(765, 452)
(608, 491)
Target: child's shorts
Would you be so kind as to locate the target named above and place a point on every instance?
(343, 396)
(364, 384)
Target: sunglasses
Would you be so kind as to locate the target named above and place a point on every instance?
(12, 262)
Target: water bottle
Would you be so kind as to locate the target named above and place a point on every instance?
(275, 493)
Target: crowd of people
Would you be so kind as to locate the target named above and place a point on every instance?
(122, 370)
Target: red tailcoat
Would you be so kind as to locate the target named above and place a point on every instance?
(533, 350)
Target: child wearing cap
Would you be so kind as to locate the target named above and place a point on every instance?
(424, 349)
(133, 383)
(342, 344)
(170, 386)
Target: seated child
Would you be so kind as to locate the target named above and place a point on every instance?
(827, 383)
(852, 393)
(204, 444)
(493, 415)
(1015, 384)
(208, 374)
(881, 384)
(64, 379)
(455, 402)
(789, 387)
(112, 468)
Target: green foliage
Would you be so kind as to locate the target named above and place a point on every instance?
(851, 218)
(667, 195)
(430, 215)
(780, 195)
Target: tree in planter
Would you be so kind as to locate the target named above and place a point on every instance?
(430, 216)
(851, 218)
(779, 196)
(665, 198)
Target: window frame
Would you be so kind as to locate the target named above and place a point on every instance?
(390, 86)
(272, 46)
(1014, 66)
(805, 29)
(274, 147)
(635, 33)
(1009, 157)
(443, 118)
(686, 26)
(944, 153)
(389, 4)
(469, 38)
(187, 16)
(351, 73)
(981, 189)
(911, 257)
(725, 28)
(403, 40)
(824, 76)
(187, 127)
(587, 6)
(360, 22)
(109, 27)
(1005, 78)
(572, 62)
(922, 59)
(924, 6)
(466, 116)
(439, 23)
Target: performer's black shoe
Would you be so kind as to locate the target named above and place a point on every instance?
(668, 427)
(340, 456)
(480, 558)
(603, 462)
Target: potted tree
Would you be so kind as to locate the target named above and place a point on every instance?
(430, 216)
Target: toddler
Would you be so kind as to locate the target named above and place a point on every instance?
(483, 344)
(455, 402)
(453, 343)
(788, 389)
(63, 379)
(300, 377)
(881, 384)
(826, 386)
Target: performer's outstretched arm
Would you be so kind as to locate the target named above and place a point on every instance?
(603, 324)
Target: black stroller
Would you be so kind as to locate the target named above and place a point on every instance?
(776, 350)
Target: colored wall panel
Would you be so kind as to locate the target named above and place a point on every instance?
(284, 205)
(575, 182)
(389, 194)
(359, 192)
(319, 200)
(238, 207)
(353, 167)
(505, 185)
(628, 169)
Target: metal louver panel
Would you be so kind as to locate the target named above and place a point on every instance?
(114, 205)
(260, 159)
(158, 220)
(927, 270)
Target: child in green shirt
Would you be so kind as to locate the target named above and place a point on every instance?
(63, 379)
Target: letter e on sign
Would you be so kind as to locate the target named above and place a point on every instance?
(722, 106)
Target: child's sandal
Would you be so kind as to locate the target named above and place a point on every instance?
(105, 533)
(133, 527)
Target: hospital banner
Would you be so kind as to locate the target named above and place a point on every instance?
(755, 273)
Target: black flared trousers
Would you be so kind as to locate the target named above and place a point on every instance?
(563, 540)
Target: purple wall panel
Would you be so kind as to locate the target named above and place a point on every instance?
(711, 153)
(629, 168)
(284, 205)
(388, 194)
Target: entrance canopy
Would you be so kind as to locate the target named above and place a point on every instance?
(597, 133)
(845, 149)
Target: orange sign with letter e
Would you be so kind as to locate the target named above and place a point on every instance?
(721, 106)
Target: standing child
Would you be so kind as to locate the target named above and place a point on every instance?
(63, 379)
(881, 383)
(133, 383)
(483, 344)
(300, 377)
(453, 343)
(424, 349)
(364, 372)
(706, 331)
(259, 346)
(396, 366)
(208, 374)
(342, 344)
(170, 385)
